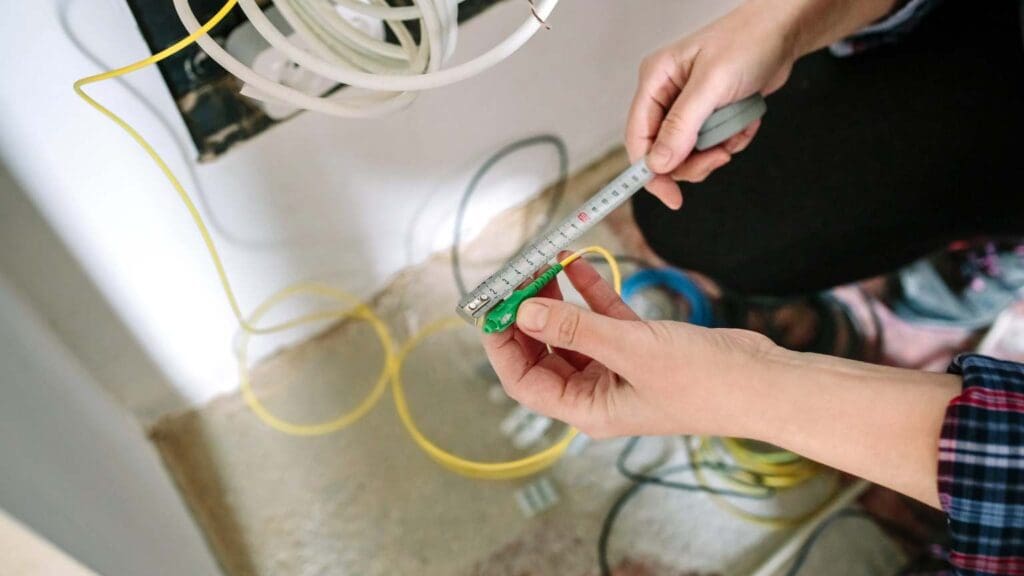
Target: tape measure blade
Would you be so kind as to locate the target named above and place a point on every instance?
(546, 247)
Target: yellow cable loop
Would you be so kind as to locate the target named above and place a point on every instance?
(391, 370)
(249, 328)
(787, 471)
(354, 308)
(780, 475)
(474, 469)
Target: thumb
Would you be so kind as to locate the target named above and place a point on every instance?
(563, 325)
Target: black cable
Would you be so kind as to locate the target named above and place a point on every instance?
(478, 176)
(896, 529)
(613, 513)
(658, 479)
(641, 481)
(805, 548)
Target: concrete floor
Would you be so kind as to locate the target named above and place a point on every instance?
(365, 501)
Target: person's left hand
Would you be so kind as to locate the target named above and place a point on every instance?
(609, 373)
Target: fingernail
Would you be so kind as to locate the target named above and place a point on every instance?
(659, 157)
(532, 316)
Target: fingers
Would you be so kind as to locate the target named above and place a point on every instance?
(739, 142)
(659, 85)
(552, 290)
(677, 134)
(671, 103)
(537, 382)
(657, 88)
(563, 325)
(666, 190)
(699, 165)
(597, 292)
(539, 385)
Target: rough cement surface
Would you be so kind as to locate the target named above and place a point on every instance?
(365, 501)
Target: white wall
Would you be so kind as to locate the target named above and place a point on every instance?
(350, 202)
(77, 468)
(55, 286)
(25, 553)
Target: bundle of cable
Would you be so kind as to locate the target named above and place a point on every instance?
(382, 76)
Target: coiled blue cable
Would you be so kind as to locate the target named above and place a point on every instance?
(679, 283)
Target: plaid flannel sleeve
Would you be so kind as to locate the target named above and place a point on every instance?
(981, 468)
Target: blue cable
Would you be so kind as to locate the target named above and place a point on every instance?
(679, 283)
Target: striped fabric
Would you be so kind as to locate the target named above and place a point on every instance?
(981, 468)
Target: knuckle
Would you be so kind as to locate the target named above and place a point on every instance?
(567, 328)
(652, 60)
(657, 332)
(673, 125)
(645, 64)
(657, 63)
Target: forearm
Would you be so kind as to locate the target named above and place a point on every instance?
(823, 22)
(814, 24)
(876, 422)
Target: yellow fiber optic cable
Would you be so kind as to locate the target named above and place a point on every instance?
(169, 174)
(613, 263)
(357, 310)
(474, 469)
(484, 470)
(789, 471)
(353, 309)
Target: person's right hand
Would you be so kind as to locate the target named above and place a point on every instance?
(609, 373)
(750, 50)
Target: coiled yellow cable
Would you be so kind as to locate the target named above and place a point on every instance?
(759, 469)
(780, 472)
(353, 308)
(393, 360)
(249, 327)
(486, 470)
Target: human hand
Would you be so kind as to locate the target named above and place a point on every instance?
(612, 374)
(750, 50)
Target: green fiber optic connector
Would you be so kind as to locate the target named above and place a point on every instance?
(504, 315)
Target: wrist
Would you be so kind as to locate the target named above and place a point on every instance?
(876, 422)
(761, 409)
(747, 383)
(813, 24)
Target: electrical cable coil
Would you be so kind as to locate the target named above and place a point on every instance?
(352, 307)
(388, 75)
